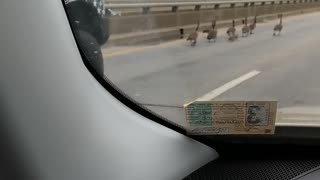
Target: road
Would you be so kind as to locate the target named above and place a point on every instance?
(284, 68)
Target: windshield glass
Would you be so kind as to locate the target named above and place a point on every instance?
(168, 54)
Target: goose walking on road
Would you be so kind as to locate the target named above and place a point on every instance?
(194, 35)
(245, 28)
(212, 34)
(252, 26)
(278, 27)
(232, 32)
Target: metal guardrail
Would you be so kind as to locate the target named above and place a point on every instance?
(146, 6)
(168, 4)
(135, 26)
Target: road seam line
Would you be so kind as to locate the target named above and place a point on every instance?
(121, 52)
(138, 49)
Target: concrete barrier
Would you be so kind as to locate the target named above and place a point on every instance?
(127, 30)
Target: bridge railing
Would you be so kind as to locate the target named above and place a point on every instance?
(152, 21)
(146, 7)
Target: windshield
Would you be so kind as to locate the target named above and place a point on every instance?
(168, 54)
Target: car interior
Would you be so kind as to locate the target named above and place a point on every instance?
(67, 112)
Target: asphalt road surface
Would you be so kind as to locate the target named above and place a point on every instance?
(283, 68)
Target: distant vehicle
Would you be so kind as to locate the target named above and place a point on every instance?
(89, 16)
(90, 19)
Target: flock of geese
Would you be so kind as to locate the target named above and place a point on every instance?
(232, 31)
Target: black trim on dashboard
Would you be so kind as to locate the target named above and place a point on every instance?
(284, 137)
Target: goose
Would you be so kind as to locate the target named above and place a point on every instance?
(194, 35)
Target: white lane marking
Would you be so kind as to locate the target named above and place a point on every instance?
(216, 92)
(220, 90)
